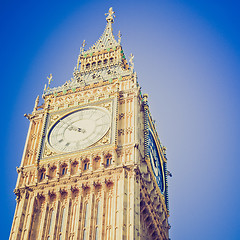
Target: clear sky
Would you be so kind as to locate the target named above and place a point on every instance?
(187, 57)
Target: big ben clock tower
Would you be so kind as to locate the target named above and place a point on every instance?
(93, 166)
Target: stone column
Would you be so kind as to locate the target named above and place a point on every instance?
(90, 212)
(102, 160)
(91, 163)
(80, 167)
(78, 215)
(55, 220)
(65, 221)
(47, 172)
(43, 219)
(58, 170)
(29, 218)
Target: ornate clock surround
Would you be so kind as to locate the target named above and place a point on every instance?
(108, 139)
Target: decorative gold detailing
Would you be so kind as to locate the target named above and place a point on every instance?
(33, 136)
(97, 183)
(120, 132)
(54, 118)
(107, 105)
(129, 130)
(110, 15)
(48, 152)
(108, 181)
(121, 116)
(105, 140)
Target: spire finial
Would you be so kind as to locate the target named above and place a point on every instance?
(49, 80)
(36, 103)
(81, 52)
(131, 62)
(110, 15)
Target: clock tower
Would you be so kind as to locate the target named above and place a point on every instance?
(93, 166)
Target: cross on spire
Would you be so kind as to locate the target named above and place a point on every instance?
(110, 15)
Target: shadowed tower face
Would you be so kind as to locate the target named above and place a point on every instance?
(93, 166)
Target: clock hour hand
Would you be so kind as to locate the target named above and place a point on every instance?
(74, 128)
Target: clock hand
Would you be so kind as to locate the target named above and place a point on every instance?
(81, 130)
(72, 127)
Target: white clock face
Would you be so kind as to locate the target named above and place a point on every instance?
(79, 129)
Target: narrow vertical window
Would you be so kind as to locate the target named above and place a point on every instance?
(62, 221)
(86, 215)
(98, 212)
(50, 224)
(108, 160)
(96, 234)
(42, 176)
(85, 222)
(84, 234)
(64, 171)
(97, 219)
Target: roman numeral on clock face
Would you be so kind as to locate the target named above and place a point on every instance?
(79, 129)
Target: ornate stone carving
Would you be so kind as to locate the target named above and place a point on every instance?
(120, 132)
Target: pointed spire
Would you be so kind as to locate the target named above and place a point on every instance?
(131, 62)
(81, 52)
(107, 39)
(36, 103)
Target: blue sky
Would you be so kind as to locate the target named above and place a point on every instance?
(187, 57)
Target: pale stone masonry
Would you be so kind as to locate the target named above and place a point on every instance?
(93, 166)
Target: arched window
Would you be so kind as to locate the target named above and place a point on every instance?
(105, 61)
(108, 160)
(61, 226)
(94, 64)
(64, 170)
(50, 224)
(96, 233)
(84, 234)
(42, 176)
(85, 222)
(98, 212)
(98, 205)
(86, 165)
(99, 63)
(111, 60)
(88, 66)
(86, 215)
